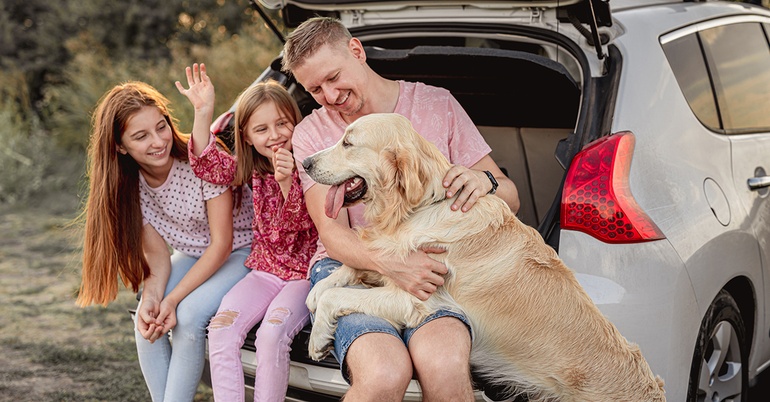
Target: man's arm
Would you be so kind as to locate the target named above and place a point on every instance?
(418, 274)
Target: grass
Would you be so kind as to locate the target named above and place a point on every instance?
(51, 350)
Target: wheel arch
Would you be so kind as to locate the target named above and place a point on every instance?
(744, 294)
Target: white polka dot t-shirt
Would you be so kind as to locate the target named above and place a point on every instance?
(177, 210)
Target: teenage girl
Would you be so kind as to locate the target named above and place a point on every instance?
(144, 200)
(285, 238)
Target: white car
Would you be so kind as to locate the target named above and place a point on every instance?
(638, 135)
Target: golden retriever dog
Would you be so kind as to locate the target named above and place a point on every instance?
(535, 330)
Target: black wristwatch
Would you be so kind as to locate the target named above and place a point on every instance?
(493, 180)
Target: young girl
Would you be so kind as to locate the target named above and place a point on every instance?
(144, 198)
(284, 236)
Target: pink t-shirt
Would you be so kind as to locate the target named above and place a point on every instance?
(284, 235)
(177, 210)
(434, 113)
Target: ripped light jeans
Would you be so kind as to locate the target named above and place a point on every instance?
(282, 305)
(172, 373)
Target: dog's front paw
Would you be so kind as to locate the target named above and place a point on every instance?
(316, 292)
(319, 347)
(312, 299)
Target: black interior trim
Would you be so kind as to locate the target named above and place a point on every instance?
(496, 87)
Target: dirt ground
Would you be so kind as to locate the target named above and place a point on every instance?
(51, 350)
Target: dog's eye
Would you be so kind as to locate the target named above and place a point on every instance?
(346, 143)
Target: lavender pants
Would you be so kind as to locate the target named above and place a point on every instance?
(280, 305)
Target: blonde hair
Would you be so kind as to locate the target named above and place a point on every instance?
(310, 36)
(249, 160)
(113, 218)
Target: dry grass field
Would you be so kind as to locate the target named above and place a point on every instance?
(51, 350)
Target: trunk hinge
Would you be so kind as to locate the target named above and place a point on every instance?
(594, 13)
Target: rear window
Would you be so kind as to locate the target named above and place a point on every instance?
(686, 60)
(724, 73)
(741, 59)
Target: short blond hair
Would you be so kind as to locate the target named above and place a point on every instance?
(310, 36)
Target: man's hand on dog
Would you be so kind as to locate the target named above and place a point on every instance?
(471, 184)
(419, 274)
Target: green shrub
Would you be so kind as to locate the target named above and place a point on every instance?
(232, 63)
(22, 155)
(44, 147)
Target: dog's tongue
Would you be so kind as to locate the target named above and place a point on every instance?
(334, 199)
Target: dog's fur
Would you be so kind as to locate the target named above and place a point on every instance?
(535, 329)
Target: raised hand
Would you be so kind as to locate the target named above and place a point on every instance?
(201, 95)
(200, 90)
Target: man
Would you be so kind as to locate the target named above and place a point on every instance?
(331, 65)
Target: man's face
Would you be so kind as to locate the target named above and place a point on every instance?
(335, 76)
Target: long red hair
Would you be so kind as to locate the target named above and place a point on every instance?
(113, 217)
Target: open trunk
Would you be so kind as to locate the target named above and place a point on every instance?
(522, 86)
(523, 101)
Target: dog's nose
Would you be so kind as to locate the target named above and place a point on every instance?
(307, 163)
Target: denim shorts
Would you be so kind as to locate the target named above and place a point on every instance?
(350, 327)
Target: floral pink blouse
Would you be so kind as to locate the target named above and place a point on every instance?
(285, 237)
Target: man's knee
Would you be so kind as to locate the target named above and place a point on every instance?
(445, 340)
(381, 379)
(440, 351)
(444, 376)
(379, 361)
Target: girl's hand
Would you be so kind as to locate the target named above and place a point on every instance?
(147, 322)
(201, 90)
(167, 315)
(283, 166)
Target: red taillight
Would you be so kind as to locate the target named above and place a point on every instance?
(597, 199)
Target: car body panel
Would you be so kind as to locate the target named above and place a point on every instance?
(752, 152)
(685, 205)
(644, 313)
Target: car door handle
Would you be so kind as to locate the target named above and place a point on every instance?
(757, 183)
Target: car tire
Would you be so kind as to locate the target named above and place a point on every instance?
(719, 369)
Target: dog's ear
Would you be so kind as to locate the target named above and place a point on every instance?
(419, 169)
(411, 179)
(401, 185)
(433, 166)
